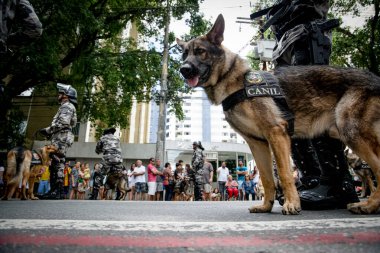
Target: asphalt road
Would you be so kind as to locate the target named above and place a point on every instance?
(124, 226)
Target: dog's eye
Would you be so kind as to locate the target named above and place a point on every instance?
(199, 51)
(185, 53)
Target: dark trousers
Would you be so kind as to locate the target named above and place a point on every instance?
(222, 189)
(169, 192)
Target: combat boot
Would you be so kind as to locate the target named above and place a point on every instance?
(336, 188)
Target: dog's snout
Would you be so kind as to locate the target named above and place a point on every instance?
(187, 70)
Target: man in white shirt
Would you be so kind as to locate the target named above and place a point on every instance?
(140, 182)
(222, 173)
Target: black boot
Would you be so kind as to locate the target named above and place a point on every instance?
(56, 186)
(94, 194)
(336, 187)
(306, 160)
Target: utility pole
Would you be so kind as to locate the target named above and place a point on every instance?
(161, 135)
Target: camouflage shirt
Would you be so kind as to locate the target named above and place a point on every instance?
(65, 119)
(197, 160)
(109, 145)
(22, 12)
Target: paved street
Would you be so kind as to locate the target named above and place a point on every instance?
(114, 226)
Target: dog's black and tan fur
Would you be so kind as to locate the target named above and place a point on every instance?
(342, 102)
(18, 168)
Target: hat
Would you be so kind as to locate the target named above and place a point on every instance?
(69, 91)
(198, 144)
(110, 130)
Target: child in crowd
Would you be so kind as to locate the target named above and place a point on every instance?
(215, 195)
(87, 176)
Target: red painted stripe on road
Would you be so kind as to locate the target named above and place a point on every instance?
(186, 241)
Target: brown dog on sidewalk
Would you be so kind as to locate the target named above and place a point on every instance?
(342, 102)
(18, 168)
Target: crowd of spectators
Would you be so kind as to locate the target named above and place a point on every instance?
(154, 182)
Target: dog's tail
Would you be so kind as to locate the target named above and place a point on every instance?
(17, 159)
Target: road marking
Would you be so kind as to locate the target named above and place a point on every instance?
(182, 241)
(153, 226)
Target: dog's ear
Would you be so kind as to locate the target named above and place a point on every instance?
(215, 35)
(180, 43)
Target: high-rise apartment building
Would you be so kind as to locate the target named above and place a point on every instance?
(203, 121)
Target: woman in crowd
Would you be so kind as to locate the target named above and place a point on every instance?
(74, 181)
(81, 182)
(232, 188)
(87, 176)
(168, 182)
(131, 182)
(248, 187)
(179, 178)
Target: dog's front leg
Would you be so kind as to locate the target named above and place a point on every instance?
(263, 158)
(280, 143)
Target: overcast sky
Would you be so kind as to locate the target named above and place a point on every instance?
(236, 36)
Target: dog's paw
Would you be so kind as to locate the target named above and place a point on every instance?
(362, 208)
(260, 209)
(291, 208)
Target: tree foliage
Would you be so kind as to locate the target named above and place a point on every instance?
(358, 47)
(83, 44)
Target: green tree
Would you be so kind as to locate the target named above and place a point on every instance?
(82, 43)
(358, 47)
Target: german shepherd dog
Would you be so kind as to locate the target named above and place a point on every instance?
(116, 180)
(342, 102)
(18, 167)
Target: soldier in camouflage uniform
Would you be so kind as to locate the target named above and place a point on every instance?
(61, 135)
(197, 163)
(112, 164)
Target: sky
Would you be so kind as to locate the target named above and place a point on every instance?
(236, 36)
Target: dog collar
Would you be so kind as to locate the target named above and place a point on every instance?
(261, 84)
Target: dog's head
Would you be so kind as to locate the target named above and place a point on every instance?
(47, 150)
(200, 55)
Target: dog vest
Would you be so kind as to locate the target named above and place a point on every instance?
(261, 84)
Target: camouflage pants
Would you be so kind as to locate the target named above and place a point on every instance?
(62, 140)
(198, 184)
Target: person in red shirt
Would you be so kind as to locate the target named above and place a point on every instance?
(152, 177)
